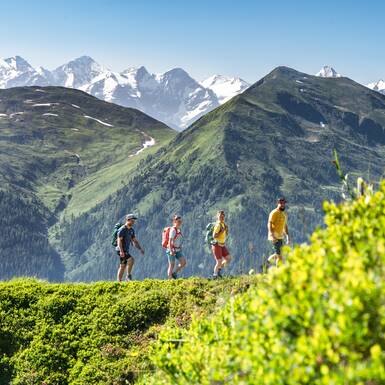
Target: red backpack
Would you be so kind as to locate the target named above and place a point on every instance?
(166, 236)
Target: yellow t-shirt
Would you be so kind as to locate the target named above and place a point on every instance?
(278, 220)
(221, 238)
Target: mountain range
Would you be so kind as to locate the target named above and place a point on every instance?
(173, 97)
(72, 165)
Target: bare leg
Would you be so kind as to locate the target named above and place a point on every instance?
(130, 264)
(181, 264)
(217, 266)
(171, 266)
(121, 270)
(226, 260)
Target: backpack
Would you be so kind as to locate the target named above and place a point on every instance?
(166, 236)
(114, 240)
(209, 238)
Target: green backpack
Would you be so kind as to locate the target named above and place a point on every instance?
(114, 240)
(209, 239)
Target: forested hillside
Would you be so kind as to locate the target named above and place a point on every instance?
(60, 146)
(277, 138)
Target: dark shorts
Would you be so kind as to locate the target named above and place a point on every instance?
(219, 251)
(277, 246)
(124, 260)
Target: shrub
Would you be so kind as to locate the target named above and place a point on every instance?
(317, 320)
(59, 334)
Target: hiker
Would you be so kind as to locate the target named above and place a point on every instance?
(173, 243)
(220, 252)
(277, 230)
(126, 236)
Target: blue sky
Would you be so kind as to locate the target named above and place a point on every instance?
(240, 37)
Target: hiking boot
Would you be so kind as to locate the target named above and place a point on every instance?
(129, 277)
(174, 275)
(220, 274)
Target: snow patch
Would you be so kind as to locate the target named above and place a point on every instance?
(74, 105)
(99, 121)
(49, 114)
(44, 104)
(16, 113)
(149, 142)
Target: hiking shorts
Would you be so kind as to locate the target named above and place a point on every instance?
(219, 251)
(124, 260)
(277, 246)
(171, 258)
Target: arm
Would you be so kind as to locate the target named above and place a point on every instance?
(171, 242)
(121, 247)
(137, 245)
(287, 233)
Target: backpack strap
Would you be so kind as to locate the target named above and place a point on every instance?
(176, 235)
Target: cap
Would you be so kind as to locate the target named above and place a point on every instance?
(131, 216)
(282, 199)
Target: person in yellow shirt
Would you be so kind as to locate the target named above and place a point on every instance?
(219, 249)
(278, 230)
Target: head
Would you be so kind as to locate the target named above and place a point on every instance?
(281, 203)
(177, 220)
(130, 220)
(221, 216)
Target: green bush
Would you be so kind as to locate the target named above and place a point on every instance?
(98, 333)
(317, 320)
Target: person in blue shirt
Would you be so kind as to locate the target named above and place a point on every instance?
(126, 236)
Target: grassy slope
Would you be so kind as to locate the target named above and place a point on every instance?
(100, 333)
(266, 142)
(60, 159)
(44, 148)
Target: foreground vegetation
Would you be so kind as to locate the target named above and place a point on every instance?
(317, 320)
(95, 333)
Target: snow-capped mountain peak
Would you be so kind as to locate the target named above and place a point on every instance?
(377, 86)
(328, 72)
(225, 87)
(78, 72)
(173, 97)
(18, 64)
(16, 71)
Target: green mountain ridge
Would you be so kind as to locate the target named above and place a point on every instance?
(52, 140)
(276, 138)
(67, 163)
